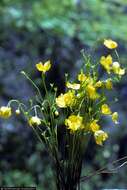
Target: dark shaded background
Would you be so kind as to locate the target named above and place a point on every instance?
(31, 31)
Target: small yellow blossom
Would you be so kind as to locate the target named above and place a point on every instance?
(74, 86)
(91, 90)
(116, 69)
(105, 109)
(99, 84)
(108, 84)
(106, 62)
(65, 100)
(5, 112)
(34, 121)
(115, 117)
(100, 136)
(43, 67)
(74, 122)
(94, 126)
(82, 77)
(110, 44)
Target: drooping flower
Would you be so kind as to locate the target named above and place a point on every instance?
(5, 112)
(116, 69)
(100, 136)
(91, 90)
(105, 109)
(34, 121)
(74, 122)
(74, 86)
(108, 84)
(110, 44)
(115, 117)
(43, 67)
(94, 126)
(65, 100)
(106, 62)
(17, 112)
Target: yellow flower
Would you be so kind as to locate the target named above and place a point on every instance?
(82, 77)
(105, 109)
(117, 70)
(60, 101)
(115, 117)
(108, 84)
(99, 84)
(65, 100)
(34, 121)
(94, 126)
(106, 62)
(100, 136)
(110, 44)
(5, 112)
(43, 67)
(90, 89)
(74, 86)
(74, 122)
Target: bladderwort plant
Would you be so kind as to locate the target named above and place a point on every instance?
(65, 123)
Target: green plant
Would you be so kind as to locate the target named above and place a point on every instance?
(78, 110)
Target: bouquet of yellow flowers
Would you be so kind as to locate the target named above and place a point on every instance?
(66, 122)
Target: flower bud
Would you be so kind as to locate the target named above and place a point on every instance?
(17, 112)
(56, 113)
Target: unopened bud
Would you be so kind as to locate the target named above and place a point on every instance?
(56, 113)
(42, 108)
(17, 112)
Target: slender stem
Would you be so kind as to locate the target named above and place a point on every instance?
(39, 93)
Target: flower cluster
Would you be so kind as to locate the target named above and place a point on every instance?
(84, 101)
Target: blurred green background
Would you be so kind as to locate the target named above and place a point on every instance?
(36, 30)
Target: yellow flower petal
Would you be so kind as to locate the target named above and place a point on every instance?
(94, 126)
(106, 62)
(43, 67)
(115, 117)
(66, 100)
(110, 44)
(90, 89)
(34, 121)
(100, 136)
(60, 101)
(74, 86)
(82, 77)
(105, 109)
(74, 122)
(116, 69)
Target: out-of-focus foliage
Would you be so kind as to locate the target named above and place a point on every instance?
(87, 20)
